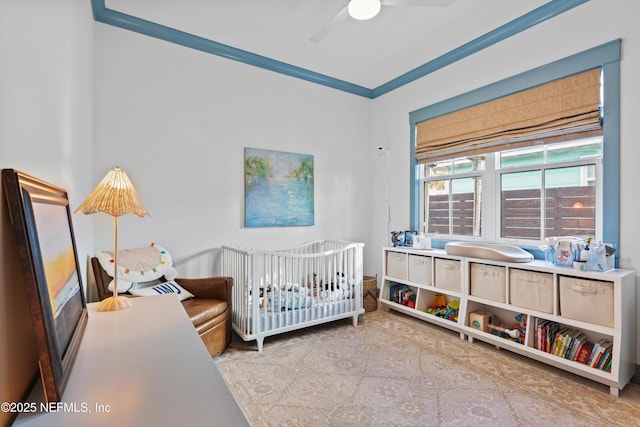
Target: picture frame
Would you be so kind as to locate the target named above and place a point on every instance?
(41, 218)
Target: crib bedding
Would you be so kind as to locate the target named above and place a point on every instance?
(282, 290)
(294, 296)
(267, 321)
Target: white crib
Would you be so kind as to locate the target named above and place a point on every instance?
(278, 291)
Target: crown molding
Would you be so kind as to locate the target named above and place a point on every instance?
(121, 20)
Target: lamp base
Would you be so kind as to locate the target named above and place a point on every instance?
(114, 303)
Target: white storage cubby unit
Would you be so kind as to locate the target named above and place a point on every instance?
(551, 314)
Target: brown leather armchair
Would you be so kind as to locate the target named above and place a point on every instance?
(210, 310)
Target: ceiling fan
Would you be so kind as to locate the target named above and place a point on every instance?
(367, 9)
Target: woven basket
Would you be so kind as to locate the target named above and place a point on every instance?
(370, 293)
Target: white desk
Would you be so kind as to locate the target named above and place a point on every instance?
(142, 366)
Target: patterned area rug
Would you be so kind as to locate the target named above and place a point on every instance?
(394, 370)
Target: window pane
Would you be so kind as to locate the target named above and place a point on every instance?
(438, 168)
(570, 201)
(574, 150)
(436, 206)
(521, 205)
(468, 164)
(522, 157)
(466, 203)
(457, 166)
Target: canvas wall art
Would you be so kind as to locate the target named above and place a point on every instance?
(278, 188)
(41, 219)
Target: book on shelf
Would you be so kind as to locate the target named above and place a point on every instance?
(596, 357)
(549, 336)
(539, 332)
(551, 332)
(576, 342)
(395, 290)
(567, 342)
(584, 353)
(573, 344)
(607, 366)
(599, 348)
(558, 341)
(606, 355)
(594, 353)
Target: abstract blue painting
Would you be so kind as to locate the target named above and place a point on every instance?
(278, 188)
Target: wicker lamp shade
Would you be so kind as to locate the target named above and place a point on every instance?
(114, 195)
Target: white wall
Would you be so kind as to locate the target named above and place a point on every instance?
(580, 29)
(177, 121)
(46, 89)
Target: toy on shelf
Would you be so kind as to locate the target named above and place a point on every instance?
(440, 308)
(516, 333)
(513, 333)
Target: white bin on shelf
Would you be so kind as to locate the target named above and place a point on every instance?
(531, 289)
(488, 281)
(397, 265)
(420, 269)
(587, 300)
(447, 274)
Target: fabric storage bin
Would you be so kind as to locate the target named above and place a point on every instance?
(587, 300)
(447, 274)
(420, 269)
(531, 289)
(397, 265)
(488, 281)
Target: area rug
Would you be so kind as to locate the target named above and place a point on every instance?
(394, 370)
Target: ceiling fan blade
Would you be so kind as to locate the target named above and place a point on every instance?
(326, 28)
(428, 3)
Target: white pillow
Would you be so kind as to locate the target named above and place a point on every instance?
(123, 286)
(170, 287)
(138, 265)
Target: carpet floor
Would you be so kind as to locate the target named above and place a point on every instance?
(394, 370)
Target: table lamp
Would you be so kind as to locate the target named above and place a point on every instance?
(115, 196)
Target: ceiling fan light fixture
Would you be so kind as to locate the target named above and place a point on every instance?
(363, 9)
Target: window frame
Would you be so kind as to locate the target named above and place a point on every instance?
(606, 56)
(482, 174)
(543, 168)
(491, 205)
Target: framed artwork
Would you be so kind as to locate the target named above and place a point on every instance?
(278, 188)
(45, 240)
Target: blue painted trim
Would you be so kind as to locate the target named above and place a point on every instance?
(414, 195)
(611, 156)
(132, 23)
(148, 28)
(97, 7)
(606, 56)
(535, 17)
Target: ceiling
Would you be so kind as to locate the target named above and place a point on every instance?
(369, 53)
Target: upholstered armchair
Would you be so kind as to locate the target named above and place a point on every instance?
(210, 309)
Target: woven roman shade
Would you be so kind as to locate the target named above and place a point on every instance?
(560, 110)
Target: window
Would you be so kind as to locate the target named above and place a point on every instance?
(452, 196)
(536, 193)
(595, 171)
